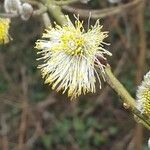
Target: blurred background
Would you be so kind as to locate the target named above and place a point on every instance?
(33, 117)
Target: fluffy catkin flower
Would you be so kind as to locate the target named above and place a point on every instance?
(12, 6)
(70, 56)
(143, 95)
(4, 27)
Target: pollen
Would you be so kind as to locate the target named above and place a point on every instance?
(4, 27)
(146, 101)
(72, 43)
(143, 95)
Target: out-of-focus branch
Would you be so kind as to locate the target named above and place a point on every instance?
(46, 103)
(4, 130)
(139, 73)
(24, 115)
(38, 132)
(95, 14)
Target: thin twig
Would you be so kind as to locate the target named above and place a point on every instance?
(4, 132)
(38, 132)
(95, 14)
(46, 103)
(139, 73)
(24, 115)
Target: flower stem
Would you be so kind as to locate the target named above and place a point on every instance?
(55, 11)
(126, 98)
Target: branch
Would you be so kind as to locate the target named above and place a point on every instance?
(55, 11)
(66, 2)
(24, 114)
(126, 98)
(4, 132)
(103, 13)
(46, 20)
